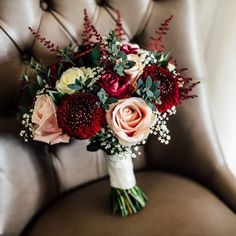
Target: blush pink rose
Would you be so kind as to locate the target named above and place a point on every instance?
(136, 70)
(130, 119)
(44, 117)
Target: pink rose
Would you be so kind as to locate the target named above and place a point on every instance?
(136, 70)
(130, 119)
(44, 117)
(115, 85)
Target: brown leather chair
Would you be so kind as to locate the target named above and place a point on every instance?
(62, 190)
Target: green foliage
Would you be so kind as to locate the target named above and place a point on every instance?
(95, 55)
(117, 55)
(56, 96)
(149, 91)
(105, 100)
(67, 55)
(93, 146)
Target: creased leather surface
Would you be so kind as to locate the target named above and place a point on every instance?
(177, 206)
(32, 175)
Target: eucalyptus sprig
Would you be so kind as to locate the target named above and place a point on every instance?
(118, 56)
(105, 100)
(148, 90)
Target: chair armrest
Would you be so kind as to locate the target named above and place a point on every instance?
(26, 177)
(223, 183)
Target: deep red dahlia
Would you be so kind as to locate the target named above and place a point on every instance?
(115, 85)
(168, 86)
(79, 116)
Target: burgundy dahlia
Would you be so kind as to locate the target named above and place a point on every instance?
(79, 116)
(170, 95)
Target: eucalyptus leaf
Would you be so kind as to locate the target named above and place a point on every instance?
(148, 82)
(105, 106)
(74, 86)
(149, 93)
(119, 69)
(129, 64)
(152, 106)
(156, 93)
(102, 95)
(111, 100)
(139, 83)
(138, 92)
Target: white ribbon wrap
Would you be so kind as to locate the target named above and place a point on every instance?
(121, 172)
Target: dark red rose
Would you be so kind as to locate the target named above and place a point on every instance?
(115, 85)
(79, 116)
(128, 49)
(169, 88)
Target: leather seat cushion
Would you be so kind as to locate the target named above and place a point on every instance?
(177, 207)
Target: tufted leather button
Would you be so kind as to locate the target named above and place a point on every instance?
(44, 5)
(100, 2)
(25, 57)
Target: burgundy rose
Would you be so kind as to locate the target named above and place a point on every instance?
(170, 95)
(129, 49)
(115, 85)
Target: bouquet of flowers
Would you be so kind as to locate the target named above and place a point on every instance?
(112, 93)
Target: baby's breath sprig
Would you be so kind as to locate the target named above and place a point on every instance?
(27, 132)
(107, 141)
(160, 127)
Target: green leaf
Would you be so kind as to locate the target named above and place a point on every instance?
(40, 82)
(129, 64)
(95, 55)
(156, 93)
(152, 106)
(140, 83)
(149, 93)
(139, 92)
(122, 55)
(24, 77)
(111, 100)
(87, 82)
(148, 82)
(33, 89)
(74, 86)
(102, 95)
(119, 69)
(77, 82)
(105, 106)
(56, 96)
(93, 147)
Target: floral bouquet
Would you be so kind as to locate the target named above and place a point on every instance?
(112, 93)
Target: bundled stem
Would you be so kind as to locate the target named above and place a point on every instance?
(128, 201)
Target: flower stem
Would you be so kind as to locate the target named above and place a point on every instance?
(127, 201)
